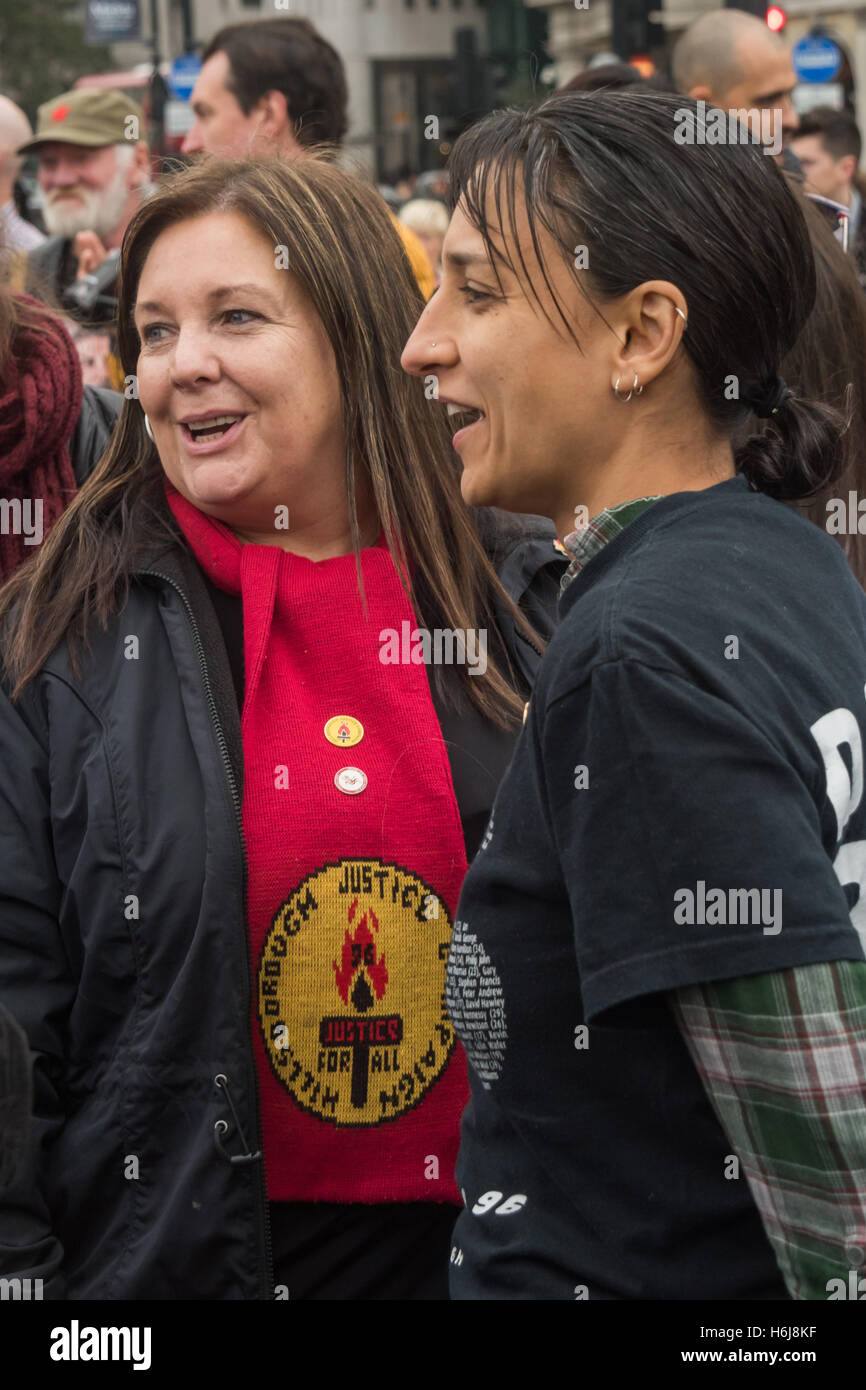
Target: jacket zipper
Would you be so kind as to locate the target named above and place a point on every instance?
(236, 802)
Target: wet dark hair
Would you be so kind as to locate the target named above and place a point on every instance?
(614, 77)
(611, 77)
(604, 170)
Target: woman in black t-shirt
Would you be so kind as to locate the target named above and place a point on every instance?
(657, 969)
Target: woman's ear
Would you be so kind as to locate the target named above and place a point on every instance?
(650, 323)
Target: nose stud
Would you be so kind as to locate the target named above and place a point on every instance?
(432, 344)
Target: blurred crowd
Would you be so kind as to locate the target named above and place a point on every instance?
(235, 835)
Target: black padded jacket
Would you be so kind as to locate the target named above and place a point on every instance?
(123, 939)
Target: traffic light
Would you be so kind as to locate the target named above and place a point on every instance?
(632, 30)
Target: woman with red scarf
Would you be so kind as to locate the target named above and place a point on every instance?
(260, 691)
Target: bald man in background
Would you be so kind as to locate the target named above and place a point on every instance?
(15, 130)
(730, 59)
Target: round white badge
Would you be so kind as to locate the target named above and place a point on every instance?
(351, 780)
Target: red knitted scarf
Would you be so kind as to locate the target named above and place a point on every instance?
(355, 860)
(39, 406)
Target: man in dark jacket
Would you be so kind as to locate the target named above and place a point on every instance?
(146, 1129)
(828, 146)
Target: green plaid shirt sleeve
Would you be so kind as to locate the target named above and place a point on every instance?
(783, 1060)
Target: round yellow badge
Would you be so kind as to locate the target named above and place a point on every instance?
(351, 992)
(344, 731)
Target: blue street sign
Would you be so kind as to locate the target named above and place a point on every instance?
(184, 71)
(816, 59)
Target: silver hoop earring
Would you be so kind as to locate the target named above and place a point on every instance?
(149, 430)
(635, 389)
(682, 316)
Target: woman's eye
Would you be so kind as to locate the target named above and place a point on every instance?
(235, 318)
(150, 330)
(473, 296)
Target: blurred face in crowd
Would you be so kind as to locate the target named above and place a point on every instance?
(432, 243)
(238, 379)
(766, 81)
(222, 129)
(823, 174)
(86, 189)
(93, 352)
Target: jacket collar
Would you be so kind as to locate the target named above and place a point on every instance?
(174, 562)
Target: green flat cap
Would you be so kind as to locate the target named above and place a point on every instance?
(88, 116)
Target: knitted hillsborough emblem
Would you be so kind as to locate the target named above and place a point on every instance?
(351, 985)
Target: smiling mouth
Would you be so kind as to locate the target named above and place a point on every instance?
(462, 415)
(205, 431)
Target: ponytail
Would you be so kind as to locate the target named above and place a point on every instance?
(800, 451)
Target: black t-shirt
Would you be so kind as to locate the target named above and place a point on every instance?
(665, 821)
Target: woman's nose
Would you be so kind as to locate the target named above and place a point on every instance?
(194, 356)
(425, 350)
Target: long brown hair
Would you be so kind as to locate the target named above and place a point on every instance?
(342, 247)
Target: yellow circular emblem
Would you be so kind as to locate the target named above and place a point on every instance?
(344, 731)
(351, 992)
